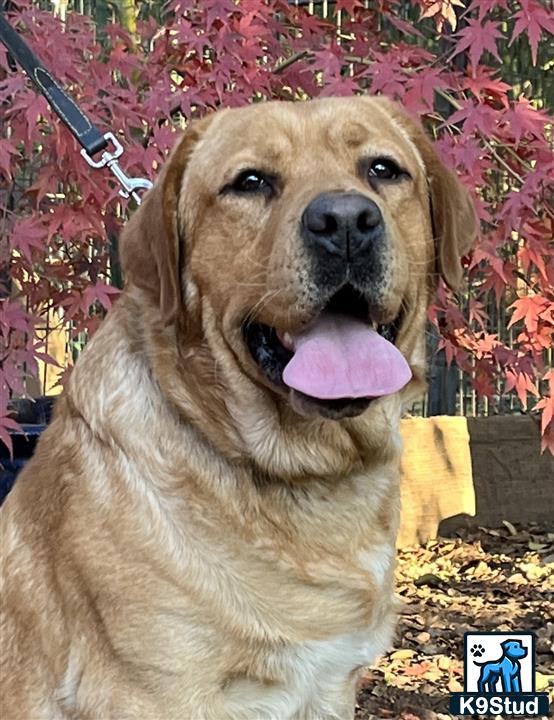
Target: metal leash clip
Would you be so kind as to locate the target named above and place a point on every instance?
(130, 185)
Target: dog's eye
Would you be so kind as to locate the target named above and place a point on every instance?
(384, 169)
(252, 181)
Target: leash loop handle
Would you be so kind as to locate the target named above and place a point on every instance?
(107, 157)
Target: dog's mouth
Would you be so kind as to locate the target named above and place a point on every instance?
(338, 364)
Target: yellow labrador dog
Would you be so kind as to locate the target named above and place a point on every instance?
(207, 528)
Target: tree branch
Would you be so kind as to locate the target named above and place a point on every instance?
(290, 61)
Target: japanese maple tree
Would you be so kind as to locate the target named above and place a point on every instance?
(444, 59)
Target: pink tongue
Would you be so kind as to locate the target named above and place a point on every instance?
(339, 357)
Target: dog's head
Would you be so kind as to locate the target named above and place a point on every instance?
(514, 649)
(307, 238)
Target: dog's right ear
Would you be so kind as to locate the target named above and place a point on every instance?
(151, 243)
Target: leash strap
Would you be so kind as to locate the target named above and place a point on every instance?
(64, 106)
(87, 135)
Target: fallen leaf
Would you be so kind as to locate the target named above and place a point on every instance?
(511, 529)
(430, 649)
(494, 533)
(536, 546)
(419, 669)
(532, 572)
(517, 579)
(411, 609)
(481, 569)
(402, 654)
(429, 579)
(454, 685)
(543, 681)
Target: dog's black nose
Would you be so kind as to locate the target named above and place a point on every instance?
(343, 224)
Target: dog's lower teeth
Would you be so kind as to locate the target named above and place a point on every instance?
(286, 340)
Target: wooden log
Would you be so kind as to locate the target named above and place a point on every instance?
(436, 475)
(463, 472)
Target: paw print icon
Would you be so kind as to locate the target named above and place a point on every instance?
(477, 650)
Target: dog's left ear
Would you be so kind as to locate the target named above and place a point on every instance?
(151, 244)
(453, 214)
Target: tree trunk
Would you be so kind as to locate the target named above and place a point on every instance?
(128, 15)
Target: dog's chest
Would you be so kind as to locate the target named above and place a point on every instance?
(318, 679)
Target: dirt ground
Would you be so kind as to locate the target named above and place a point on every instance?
(481, 580)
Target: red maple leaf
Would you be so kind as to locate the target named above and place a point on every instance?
(403, 25)
(477, 312)
(546, 404)
(349, 6)
(328, 62)
(516, 203)
(387, 79)
(524, 120)
(101, 293)
(6, 424)
(7, 150)
(484, 86)
(478, 38)
(122, 59)
(27, 234)
(218, 10)
(522, 383)
(476, 116)
(421, 88)
(485, 6)
(528, 309)
(533, 18)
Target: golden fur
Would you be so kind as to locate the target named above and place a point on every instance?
(184, 544)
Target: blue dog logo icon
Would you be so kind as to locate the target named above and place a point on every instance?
(504, 687)
(507, 668)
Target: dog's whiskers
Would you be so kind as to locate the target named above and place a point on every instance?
(262, 302)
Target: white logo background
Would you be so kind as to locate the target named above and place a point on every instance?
(492, 650)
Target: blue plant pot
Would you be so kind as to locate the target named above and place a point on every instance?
(33, 417)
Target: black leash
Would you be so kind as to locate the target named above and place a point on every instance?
(87, 135)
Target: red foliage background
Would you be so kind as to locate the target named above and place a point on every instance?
(59, 219)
